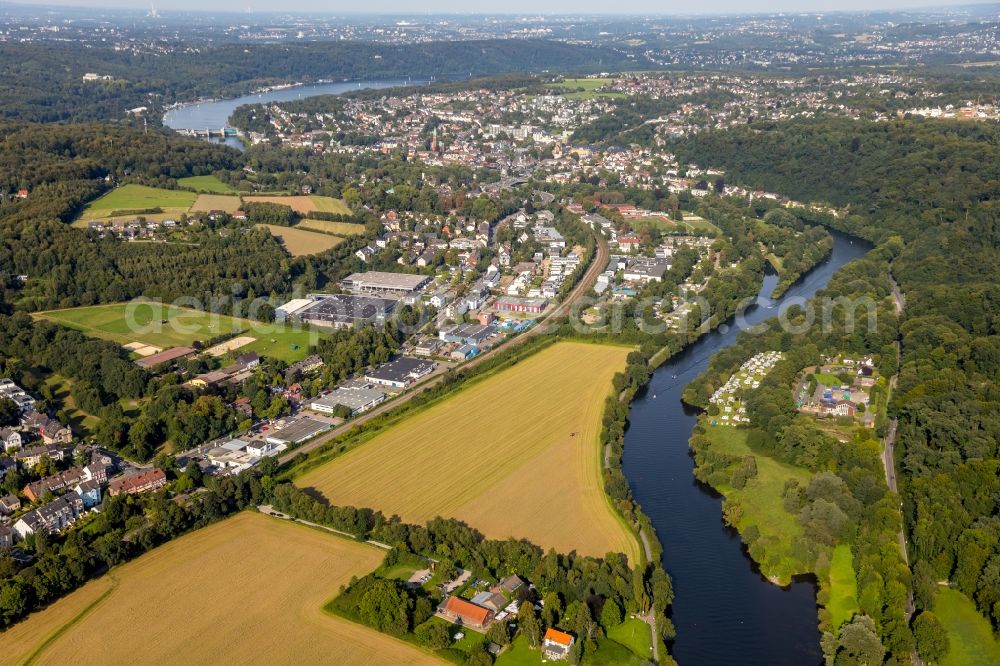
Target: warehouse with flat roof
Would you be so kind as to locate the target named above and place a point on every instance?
(357, 398)
(345, 310)
(380, 283)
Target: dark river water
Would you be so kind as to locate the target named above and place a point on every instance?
(215, 115)
(724, 610)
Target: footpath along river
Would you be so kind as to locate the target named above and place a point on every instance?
(724, 610)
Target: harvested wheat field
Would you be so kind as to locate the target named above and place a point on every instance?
(304, 204)
(249, 589)
(209, 202)
(300, 242)
(329, 227)
(514, 455)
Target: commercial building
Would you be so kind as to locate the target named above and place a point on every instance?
(297, 430)
(357, 398)
(469, 334)
(379, 283)
(514, 304)
(344, 310)
(401, 372)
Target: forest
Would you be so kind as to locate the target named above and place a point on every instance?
(924, 190)
(43, 82)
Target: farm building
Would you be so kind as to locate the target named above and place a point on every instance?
(401, 372)
(378, 283)
(465, 613)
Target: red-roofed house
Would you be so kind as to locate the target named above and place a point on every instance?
(556, 644)
(143, 482)
(465, 613)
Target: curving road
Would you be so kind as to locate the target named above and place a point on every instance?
(583, 286)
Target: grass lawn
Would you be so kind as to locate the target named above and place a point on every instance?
(843, 586)
(970, 636)
(827, 378)
(301, 242)
(590, 88)
(141, 322)
(256, 585)
(519, 654)
(208, 184)
(328, 227)
(635, 635)
(513, 455)
(138, 197)
(696, 223)
(612, 653)
(762, 502)
(80, 422)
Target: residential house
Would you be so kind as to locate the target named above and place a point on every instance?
(33, 455)
(556, 644)
(51, 518)
(511, 584)
(6, 537)
(89, 492)
(54, 484)
(11, 439)
(9, 504)
(142, 482)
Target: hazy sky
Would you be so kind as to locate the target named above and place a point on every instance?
(515, 6)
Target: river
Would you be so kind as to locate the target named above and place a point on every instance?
(724, 610)
(215, 115)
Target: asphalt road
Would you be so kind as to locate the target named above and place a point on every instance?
(583, 286)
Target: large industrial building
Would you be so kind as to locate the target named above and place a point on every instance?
(378, 283)
(336, 310)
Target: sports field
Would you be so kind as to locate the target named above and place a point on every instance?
(209, 184)
(133, 197)
(141, 322)
(305, 204)
(209, 202)
(328, 227)
(300, 242)
(249, 589)
(513, 455)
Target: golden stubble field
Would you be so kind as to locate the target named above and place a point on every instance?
(300, 242)
(514, 455)
(247, 590)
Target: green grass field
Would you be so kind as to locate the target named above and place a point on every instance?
(207, 184)
(138, 197)
(827, 378)
(763, 504)
(331, 205)
(843, 586)
(695, 223)
(590, 89)
(141, 322)
(635, 635)
(970, 636)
